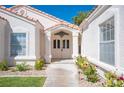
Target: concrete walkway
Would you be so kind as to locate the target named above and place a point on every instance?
(63, 73)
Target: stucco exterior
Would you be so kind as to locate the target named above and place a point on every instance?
(2, 38)
(39, 27)
(91, 36)
(36, 14)
(16, 25)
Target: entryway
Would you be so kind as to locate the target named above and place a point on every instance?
(61, 45)
(62, 73)
(61, 42)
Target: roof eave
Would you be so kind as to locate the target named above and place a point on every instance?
(18, 15)
(96, 12)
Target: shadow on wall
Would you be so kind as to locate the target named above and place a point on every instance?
(11, 45)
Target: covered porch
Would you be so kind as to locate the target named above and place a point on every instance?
(61, 42)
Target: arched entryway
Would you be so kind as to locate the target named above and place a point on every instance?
(61, 44)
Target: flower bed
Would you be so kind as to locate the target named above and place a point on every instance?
(88, 69)
(112, 80)
(89, 73)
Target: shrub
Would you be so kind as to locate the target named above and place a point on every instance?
(39, 64)
(81, 61)
(22, 67)
(88, 69)
(4, 65)
(91, 73)
(93, 78)
(112, 80)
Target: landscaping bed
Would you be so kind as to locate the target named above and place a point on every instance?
(22, 81)
(84, 83)
(23, 69)
(89, 76)
(31, 72)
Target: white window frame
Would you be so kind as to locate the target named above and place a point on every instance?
(110, 40)
(26, 50)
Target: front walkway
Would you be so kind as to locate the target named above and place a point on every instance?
(63, 73)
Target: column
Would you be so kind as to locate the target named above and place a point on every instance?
(48, 47)
(75, 45)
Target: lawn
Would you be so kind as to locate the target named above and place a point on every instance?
(22, 81)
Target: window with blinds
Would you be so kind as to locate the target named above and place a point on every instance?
(107, 50)
(18, 44)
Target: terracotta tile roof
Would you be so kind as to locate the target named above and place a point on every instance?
(59, 21)
(3, 18)
(14, 12)
(39, 11)
(66, 24)
(16, 6)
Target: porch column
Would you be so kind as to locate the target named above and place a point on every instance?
(48, 47)
(75, 45)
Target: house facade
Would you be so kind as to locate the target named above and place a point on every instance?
(103, 38)
(28, 34)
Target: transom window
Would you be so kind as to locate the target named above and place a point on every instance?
(18, 44)
(107, 42)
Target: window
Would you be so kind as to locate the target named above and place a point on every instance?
(54, 43)
(107, 42)
(63, 43)
(18, 44)
(58, 43)
(67, 43)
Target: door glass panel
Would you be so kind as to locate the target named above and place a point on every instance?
(67, 43)
(58, 43)
(63, 43)
(54, 43)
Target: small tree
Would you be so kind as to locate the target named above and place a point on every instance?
(80, 17)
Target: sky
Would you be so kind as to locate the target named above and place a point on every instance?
(65, 12)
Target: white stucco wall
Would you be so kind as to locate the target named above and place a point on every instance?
(121, 37)
(40, 41)
(91, 38)
(2, 34)
(17, 25)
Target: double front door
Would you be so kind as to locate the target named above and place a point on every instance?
(61, 47)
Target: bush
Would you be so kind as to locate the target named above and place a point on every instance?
(81, 61)
(91, 73)
(39, 64)
(112, 80)
(22, 67)
(4, 65)
(88, 69)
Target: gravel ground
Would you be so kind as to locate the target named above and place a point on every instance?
(27, 73)
(84, 83)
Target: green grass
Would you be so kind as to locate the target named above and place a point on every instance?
(22, 81)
